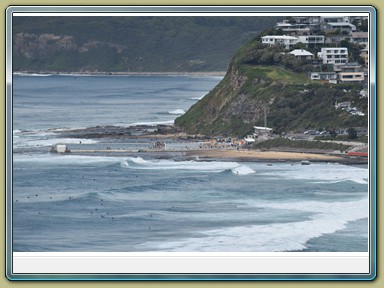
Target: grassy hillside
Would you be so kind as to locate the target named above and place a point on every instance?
(273, 73)
(263, 78)
(131, 43)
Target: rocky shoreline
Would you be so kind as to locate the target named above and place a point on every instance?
(128, 132)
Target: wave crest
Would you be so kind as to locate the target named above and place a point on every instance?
(242, 170)
(177, 112)
(278, 237)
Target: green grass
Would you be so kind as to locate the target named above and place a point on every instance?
(274, 73)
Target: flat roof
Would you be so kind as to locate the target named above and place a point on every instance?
(301, 52)
(349, 64)
(334, 48)
(341, 24)
(323, 73)
(359, 34)
(261, 128)
(279, 37)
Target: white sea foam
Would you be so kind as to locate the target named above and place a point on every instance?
(31, 74)
(44, 132)
(154, 123)
(65, 129)
(321, 173)
(177, 112)
(214, 166)
(36, 133)
(346, 194)
(242, 170)
(328, 218)
(28, 143)
(129, 162)
(64, 159)
(202, 166)
(197, 98)
(139, 160)
(124, 164)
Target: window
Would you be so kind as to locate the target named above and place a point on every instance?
(346, 76)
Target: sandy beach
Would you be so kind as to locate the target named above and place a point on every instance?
(262, 155)
(230, 154)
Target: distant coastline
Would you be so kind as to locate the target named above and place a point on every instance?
(103, 73)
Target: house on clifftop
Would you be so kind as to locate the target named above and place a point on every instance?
(283, 40)
(302, 54)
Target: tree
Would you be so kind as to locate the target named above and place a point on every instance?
(352, 133)
(290, 19)
(333, 133)
(361, 25)
(344, 43)
(299, 45)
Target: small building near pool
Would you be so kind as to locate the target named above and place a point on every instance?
(60, 148)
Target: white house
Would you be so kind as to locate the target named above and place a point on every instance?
(334, 55)
(283, 40)
(262, 132)
(347, 67)
(334, 19)
(311, 40)
(307, 19)
(342, 26)
(293, 28)
(335, 39)
(324, 76)
(302, 54)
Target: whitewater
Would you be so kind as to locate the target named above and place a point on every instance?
(139, 203)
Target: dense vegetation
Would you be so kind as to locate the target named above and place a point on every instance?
(262, 78)
(120, 44)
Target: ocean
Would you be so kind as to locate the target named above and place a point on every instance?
(135, 203)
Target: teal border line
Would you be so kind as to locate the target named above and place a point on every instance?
(374, 110)
(202, 277)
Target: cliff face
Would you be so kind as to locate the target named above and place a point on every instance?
(34, 46)
(227, 110)
(258, 80)
(51, 52)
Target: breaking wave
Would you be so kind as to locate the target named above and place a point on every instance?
(200, 166)
(177, 112)
(278, 237)
(323, 173)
